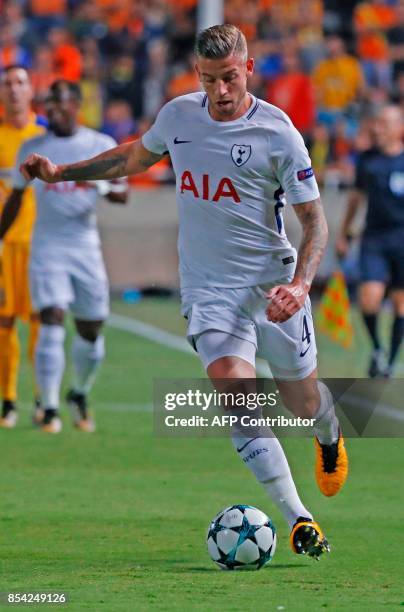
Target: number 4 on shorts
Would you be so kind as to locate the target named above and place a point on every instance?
(305, 336)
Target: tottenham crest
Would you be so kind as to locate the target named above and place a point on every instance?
(240, 154)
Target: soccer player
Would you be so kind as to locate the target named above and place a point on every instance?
(244, 289)
(66, 267)
(19, 124)
(380, 181)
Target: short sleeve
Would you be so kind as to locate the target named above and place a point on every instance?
(292, 166)
(155, 139)
(19, 182)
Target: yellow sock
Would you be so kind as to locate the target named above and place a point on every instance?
(9, 362)
(34, 326)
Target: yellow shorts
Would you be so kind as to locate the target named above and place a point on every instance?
(15, 300)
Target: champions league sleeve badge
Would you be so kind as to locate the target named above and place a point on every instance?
(302, 175)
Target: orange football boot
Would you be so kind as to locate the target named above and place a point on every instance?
(331, 466)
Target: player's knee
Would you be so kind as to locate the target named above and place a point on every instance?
(52, 315)
(370, 297)
(227, 368)
(7, 322)
(89, 330)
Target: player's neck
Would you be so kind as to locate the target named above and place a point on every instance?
(393, 149)
(18, 120)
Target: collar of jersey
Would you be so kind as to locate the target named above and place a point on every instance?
(254, 103)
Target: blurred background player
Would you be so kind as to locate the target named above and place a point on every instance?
(243, 292)
(66, 268)
(19, 124)
(380, 181)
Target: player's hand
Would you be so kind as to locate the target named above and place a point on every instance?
(342, 246)
(285, 301)
(37, 166)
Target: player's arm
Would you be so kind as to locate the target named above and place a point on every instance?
(314, 240)
(356, 198)
(115, 191)
(286, 300)
(123, 160)
(10, 211)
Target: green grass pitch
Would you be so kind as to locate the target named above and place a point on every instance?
(118, 519)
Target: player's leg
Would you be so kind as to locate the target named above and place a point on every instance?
(397, 332)
(371, 296)
(51, 293)
(269, 465)
(88, 351)
(33, 335)
(290, 349)
(397, 297)
(374, 272)
(230, 354)
(310, 398)
(90, 308)
(50, 365)
(9, 360)
(27, 313)
(264, 456)
(9, 343)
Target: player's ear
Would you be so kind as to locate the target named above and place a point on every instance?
(198, 72)
(250, 66)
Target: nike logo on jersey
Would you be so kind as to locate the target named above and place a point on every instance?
(302, 354)
(177, 141)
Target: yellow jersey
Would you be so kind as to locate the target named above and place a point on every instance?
(11, 138)
(337, 81)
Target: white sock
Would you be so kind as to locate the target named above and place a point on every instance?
(267, 461)
(50, 363)
(87, 357)
(326, 427)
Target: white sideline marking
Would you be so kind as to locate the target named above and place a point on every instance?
(150, 332)
(155, 334)
(102, 407)
(123, 407)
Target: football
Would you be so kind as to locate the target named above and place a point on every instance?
(241, 537)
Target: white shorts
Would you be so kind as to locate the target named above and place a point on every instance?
(73, 279)
(289, 348)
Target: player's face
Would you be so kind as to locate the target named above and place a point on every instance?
(225, 82)
(388, 127)
(61, 110)
(16, 91)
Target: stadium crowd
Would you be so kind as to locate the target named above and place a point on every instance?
(328, 64)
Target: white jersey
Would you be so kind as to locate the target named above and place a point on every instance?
(65, 211)
(231, 179)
